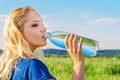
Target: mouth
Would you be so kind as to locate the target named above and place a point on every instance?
(44, 36)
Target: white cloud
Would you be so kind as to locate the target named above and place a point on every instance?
(105, 21)
(85, 16)
(2, 17)
(61, 25)
(46, 16)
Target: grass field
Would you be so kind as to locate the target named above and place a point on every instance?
(96, 68)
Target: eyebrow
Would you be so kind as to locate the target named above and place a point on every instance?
(38, 20)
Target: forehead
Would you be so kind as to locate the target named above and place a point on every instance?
(33, 16)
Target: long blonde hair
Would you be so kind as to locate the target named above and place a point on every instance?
(15, 45)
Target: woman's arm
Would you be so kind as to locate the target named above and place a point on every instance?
(74, 50)
(78, 71)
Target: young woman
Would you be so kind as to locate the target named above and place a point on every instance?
(24, 32)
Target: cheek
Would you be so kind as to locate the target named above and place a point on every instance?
(34, 39)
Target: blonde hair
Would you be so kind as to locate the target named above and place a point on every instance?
(15, 45)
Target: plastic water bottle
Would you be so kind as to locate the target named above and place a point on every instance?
(89, 46)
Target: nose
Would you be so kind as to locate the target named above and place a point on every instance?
(43, 29)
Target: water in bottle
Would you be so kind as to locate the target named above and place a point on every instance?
(89, 46)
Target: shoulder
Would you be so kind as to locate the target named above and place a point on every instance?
(31, 61)
(39, 70)
(32, 66)
(33, 69)
(36, 62)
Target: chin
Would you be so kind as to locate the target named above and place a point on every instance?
(43, 44)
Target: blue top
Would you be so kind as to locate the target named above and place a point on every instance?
(30, 69)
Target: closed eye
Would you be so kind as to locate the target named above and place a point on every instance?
(35, 25)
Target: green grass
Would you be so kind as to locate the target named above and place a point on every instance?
(96, 68)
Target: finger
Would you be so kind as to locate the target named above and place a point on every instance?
(66, 41)
(80, 46)
(70, 42)
(75, 44)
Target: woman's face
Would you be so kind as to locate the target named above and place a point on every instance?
(34, 30)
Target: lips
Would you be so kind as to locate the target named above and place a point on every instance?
(44, 36)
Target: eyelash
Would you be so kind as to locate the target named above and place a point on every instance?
(35, 25)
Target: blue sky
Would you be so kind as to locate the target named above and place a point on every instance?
(96, 19)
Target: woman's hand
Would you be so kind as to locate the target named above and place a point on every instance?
(74, 48)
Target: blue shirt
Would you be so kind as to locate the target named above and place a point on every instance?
(30, 69)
